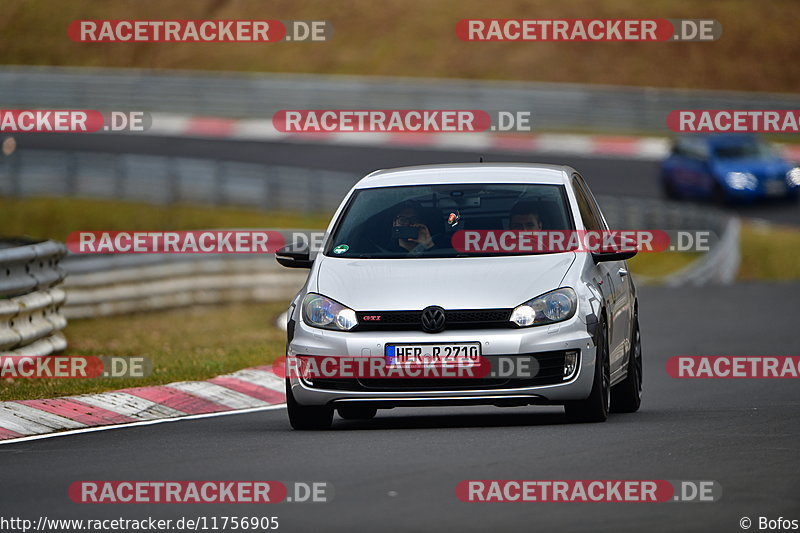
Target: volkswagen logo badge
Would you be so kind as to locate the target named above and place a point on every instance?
(433, 319)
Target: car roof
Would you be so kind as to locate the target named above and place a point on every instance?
(468, 173)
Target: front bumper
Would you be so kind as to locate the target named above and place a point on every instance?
(767, 190)
(569, 335)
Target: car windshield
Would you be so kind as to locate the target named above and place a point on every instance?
(420, 220)
(742, 150)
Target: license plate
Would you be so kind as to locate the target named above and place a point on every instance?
(774, 188)
(462, 354)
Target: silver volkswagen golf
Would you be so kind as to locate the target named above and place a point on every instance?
(394, 282)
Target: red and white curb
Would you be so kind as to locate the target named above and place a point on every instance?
(250, 389)
(646, 148)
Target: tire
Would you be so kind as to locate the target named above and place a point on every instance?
(357, 412)
(719, 196)
(305, 417)
(626, 396)
(669, 190)
(595, 407)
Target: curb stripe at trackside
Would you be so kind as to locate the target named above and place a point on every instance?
(514, 143)
(263, 377)
(211, 126)
(176, 399)
(8, 434)
(130, 405)
(263, 129)
(84, 413)
(256, 129)
(412, 139)
(247, 390)
(616, 145)
(464, 141)
(140, 423)
(262, 393)
(26, 420)
(648, 148)
(218, 394)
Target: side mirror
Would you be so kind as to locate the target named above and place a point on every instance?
(612, 256)
(294, 256)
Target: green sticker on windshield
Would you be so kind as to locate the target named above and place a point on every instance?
(342, 248)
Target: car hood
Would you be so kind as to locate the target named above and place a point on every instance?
(454, 283)
(760, 167)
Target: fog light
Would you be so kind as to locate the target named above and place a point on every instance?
(570, 364)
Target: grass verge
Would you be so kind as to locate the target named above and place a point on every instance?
(183, 344)
(56, 218)
(769, 252)
(418, 38)
(658, 265)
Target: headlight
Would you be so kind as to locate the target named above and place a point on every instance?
(741, 180)
(550, 307)
(793, 177)
(321, 312)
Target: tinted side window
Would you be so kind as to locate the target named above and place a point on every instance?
(691, 147)
(598, 213)
(678, 149)
(590, 218)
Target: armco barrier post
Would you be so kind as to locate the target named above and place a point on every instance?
(30, 302)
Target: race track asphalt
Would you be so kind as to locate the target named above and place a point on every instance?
(399, 471)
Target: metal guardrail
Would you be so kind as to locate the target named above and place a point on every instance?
(630, 213)
(118, 284)
(169, 180)
(27, 266)
(30, 303)
(720, 265)
(554, 106)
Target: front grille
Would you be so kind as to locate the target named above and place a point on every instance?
(774, 186)
(550, 365)
(455, 319)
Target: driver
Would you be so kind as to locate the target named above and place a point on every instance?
(409, 216)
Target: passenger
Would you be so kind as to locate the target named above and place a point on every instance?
(525, 216)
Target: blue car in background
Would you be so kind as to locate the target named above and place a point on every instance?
(727, 168)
